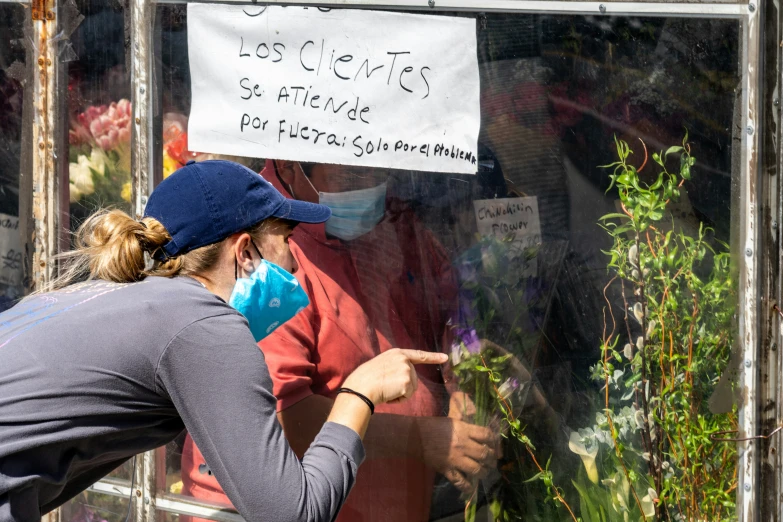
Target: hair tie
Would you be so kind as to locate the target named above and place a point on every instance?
(364, 399)
(142, 223)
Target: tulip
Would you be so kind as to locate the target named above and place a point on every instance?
(80, 174)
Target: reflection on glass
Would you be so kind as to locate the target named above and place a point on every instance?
(12, 77)
(95, 507)
(581, 282)
(124, 472)
(100, 112)
(165, 516)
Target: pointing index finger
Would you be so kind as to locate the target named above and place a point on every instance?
(422, 357)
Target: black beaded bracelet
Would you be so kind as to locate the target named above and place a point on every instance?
(367, 401)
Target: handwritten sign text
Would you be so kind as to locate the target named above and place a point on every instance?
(343, 86)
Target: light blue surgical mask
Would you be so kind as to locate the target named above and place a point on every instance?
(354, 212)
(268, 298)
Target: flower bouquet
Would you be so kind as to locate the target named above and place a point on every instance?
(500, 317)
(99, 156)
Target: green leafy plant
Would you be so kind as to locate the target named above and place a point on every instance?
(655, 432)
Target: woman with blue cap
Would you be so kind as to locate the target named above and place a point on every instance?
(161, 337)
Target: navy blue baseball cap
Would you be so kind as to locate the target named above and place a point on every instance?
(205, 202)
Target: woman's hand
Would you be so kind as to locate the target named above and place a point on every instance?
(390, 376)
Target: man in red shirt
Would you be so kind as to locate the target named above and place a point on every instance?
(376, 279)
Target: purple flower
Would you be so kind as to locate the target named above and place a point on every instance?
(469, 339)
(467, 272)
(508, 387)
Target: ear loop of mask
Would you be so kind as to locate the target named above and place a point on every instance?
(236, 263)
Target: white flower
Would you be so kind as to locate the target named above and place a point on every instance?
(456, 353)
(588, 457)
(75, 193)
(648, 503)
(640, 343)
(628, 351)
(508, 387)
(619, 488)
(80, 173)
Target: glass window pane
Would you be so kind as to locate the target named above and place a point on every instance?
(165, 516)
(124, 472)
(99, 111)
(591, 334)
(13, 76)
(96, 507)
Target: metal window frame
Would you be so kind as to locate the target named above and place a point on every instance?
(45, 190)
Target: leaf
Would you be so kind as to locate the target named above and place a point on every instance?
(658, 183)
(613, 216)
(588, 509)
(672, 150)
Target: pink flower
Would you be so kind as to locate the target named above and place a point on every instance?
(96, 128)
(108, 127)
(105, 143)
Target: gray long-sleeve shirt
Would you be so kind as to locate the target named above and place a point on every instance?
(97, 372)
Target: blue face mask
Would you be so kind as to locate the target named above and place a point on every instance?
(355, 212)
(268, 298)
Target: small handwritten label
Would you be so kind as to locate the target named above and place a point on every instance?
(353, 87)
(516, 218)
(11, 248)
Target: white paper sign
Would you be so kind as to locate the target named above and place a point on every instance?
(343, 86)
(517, 217)
(11, 251)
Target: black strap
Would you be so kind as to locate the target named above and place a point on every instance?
(367, 401)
